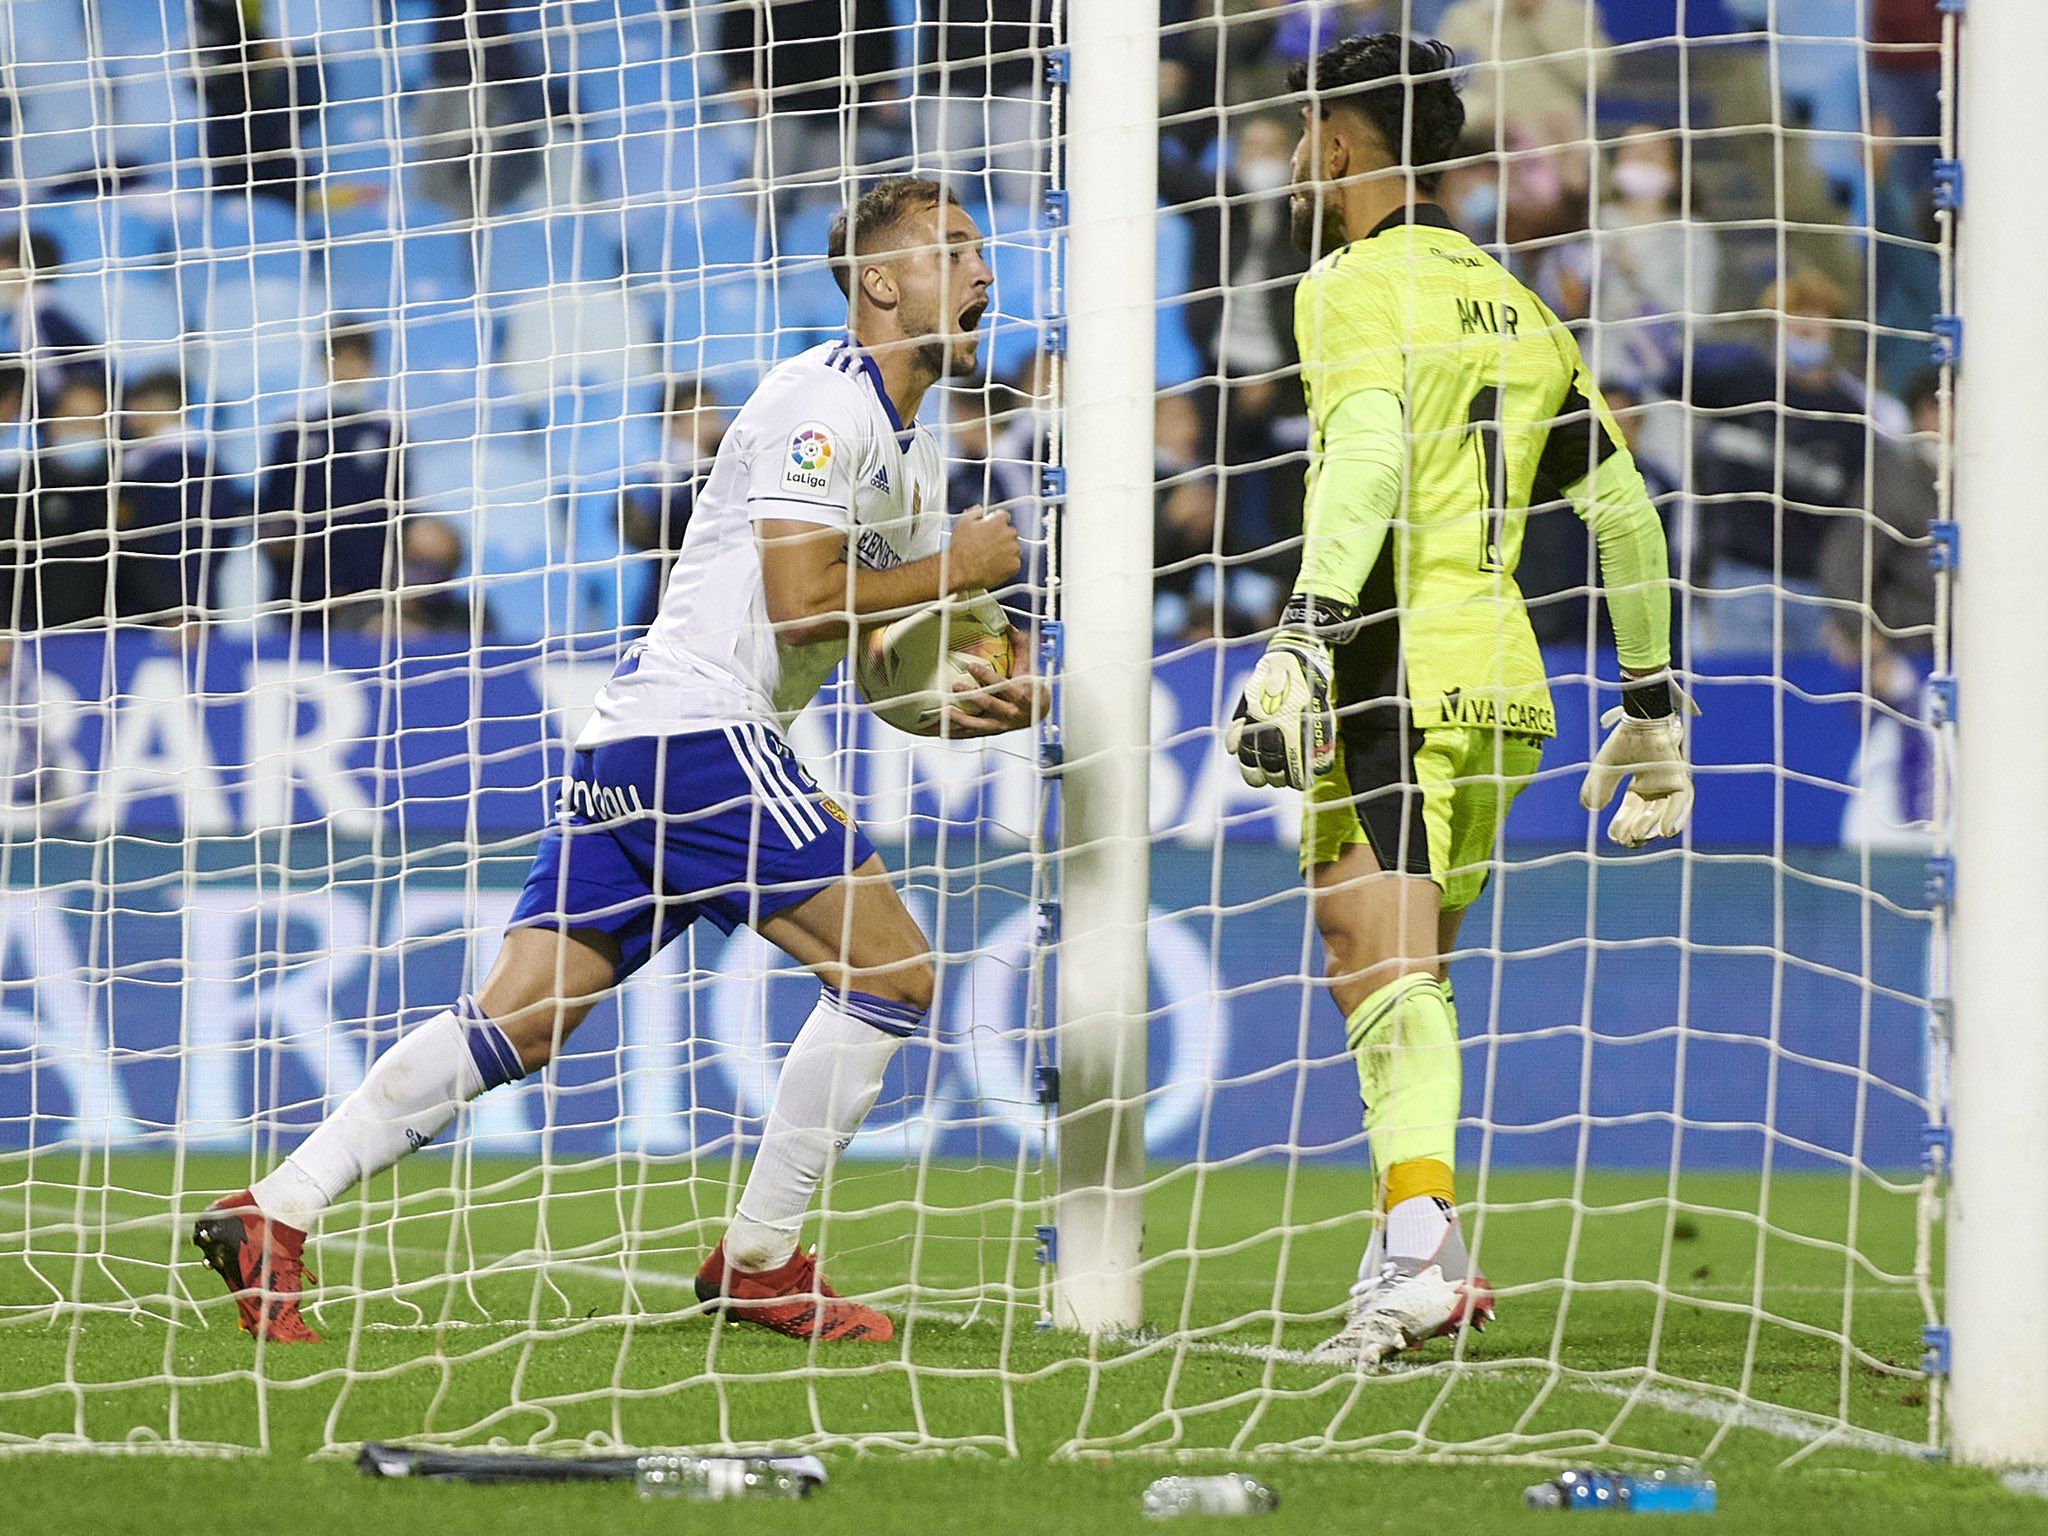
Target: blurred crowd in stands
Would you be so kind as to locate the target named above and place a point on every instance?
(416, 316)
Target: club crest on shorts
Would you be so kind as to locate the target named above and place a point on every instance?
(810, 460)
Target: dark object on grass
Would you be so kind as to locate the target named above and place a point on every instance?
(471, 1466)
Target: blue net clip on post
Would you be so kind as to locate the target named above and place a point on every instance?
(1946, 549)
(1052, 482)
(1055, 207)
(1937, 1143)
(1941, 698)
(1947, 346)
(1046, 1084)
(1948, 184)
(1048, 922)
(1059, 66)
(1934, 1344)
(1048, 1249)
(1941, 878)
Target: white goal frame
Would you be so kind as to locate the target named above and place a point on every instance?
(1112, 152)
(1997, 1298)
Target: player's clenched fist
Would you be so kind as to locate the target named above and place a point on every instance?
(983, 551)
(1284, 730)
(1645, 747)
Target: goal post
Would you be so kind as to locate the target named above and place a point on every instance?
(1112, 133)
(1998, 1193)
(1705, 1095)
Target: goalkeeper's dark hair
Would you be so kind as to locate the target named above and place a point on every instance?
(869, 223)
(1402, 87)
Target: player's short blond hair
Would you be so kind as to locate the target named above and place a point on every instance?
(870, 224)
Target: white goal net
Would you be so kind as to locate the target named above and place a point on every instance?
(360, 364)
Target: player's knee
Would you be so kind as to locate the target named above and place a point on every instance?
(1360, 957)
(906, 986)
(913, 984)
(537, 1032)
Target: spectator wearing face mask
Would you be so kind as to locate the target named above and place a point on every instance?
(171, 511)
(1470, 192)
(329, 493)
(1246, 265)
(431, 599)
(1778, 462)
(65, 517)
(1641, 270)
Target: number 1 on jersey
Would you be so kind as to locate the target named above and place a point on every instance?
(1484, 432)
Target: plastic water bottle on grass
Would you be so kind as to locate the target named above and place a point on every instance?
(1659, 1493)
(675, 1476)
(1231, 1493)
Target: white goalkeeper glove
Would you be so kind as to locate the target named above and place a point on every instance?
(1645, 747)
(1284, 730)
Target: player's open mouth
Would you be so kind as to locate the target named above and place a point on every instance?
(970, 317)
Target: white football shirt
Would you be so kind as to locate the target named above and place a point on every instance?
(818, 442)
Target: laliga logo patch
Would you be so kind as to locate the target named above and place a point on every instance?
(810, 460)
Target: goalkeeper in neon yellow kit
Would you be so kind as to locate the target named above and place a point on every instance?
(1404, 690)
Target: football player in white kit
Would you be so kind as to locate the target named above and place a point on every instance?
(824, 514)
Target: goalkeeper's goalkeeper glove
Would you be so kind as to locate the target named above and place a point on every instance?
(1646, 746)
(1284, 730)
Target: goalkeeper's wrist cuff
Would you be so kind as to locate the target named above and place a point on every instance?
(1648, 697)
(1323, 618)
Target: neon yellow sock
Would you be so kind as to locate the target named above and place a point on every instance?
(1405, 1040)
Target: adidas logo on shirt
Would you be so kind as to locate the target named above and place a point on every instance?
(880, 479)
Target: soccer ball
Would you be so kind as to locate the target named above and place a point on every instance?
(906, 671)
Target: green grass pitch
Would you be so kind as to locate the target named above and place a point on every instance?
(498, 1303)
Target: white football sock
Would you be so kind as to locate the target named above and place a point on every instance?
(829, 1083)
(1375, 1258)
(407, 1098)
(1423, 1230)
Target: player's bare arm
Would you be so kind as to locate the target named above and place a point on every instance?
(815, 593)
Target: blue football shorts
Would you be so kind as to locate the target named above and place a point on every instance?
(651, 834)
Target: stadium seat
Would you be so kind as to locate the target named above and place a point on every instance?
(694, 235)
(526, 253)
(56, 130)
(542, 568)
(261, 346)
(573, 334)
(593, 435)
(94, 233)
(437, 350)
(141, 35)
(1176, 359)
(154, 117)
(1020, 252)
(440, 474)
(426, 262)
(143, 328)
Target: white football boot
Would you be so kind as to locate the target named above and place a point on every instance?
(1396, 1306)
